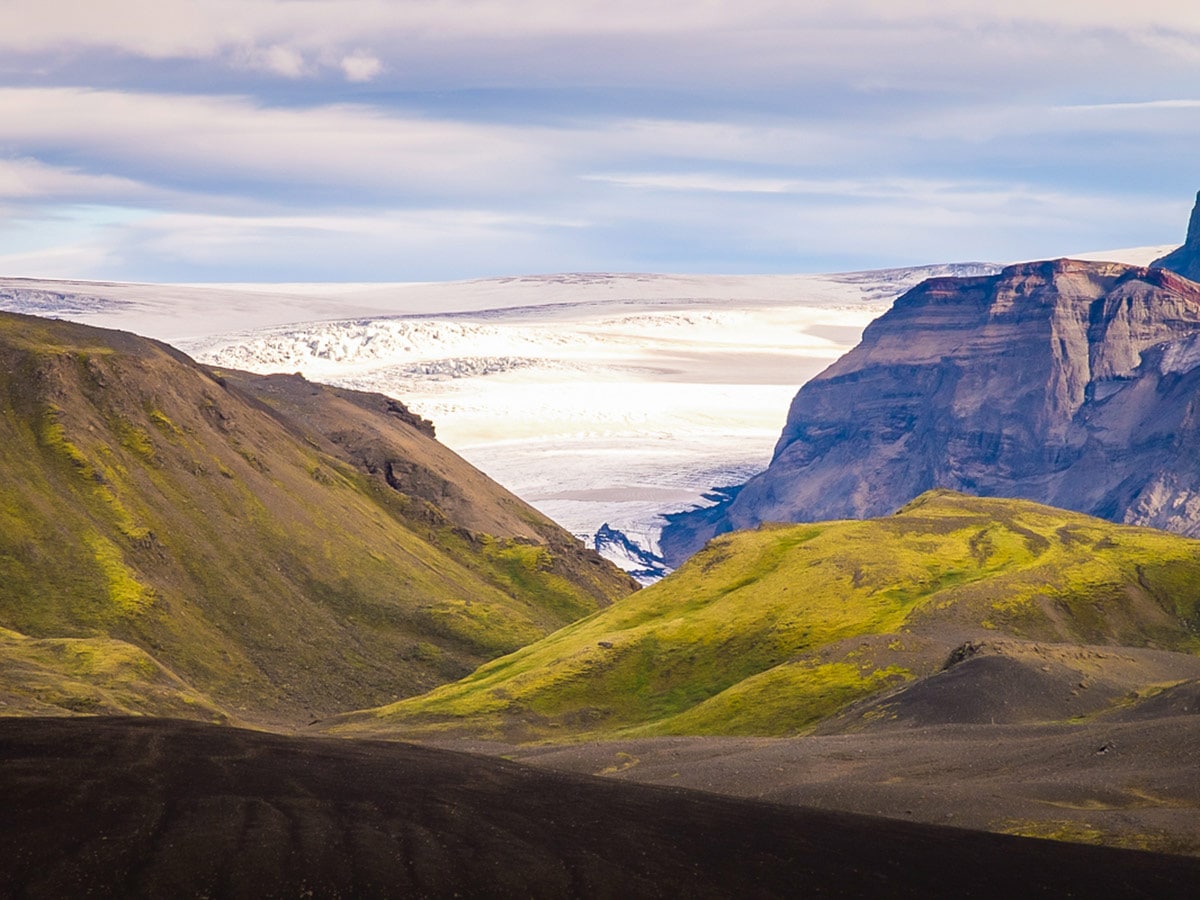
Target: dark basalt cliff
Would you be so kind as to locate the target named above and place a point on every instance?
(1035, 383)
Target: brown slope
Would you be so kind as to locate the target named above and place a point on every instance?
(1007, 682)
(156, 808)
(255, 555)
(382, 438)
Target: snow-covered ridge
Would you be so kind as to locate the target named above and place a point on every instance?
(174, 312)
(54, 304)
(339, 345)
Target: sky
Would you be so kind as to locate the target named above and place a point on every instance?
(412, 140)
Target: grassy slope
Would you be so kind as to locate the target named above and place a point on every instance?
(767, 632)
(146, 503)
(71, 676)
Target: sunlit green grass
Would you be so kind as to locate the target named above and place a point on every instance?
(763, 632)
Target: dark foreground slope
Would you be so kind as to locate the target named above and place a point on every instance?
(1035, 383)
(985, 662)
(183, 542)
(1114, 780)
(155, 808)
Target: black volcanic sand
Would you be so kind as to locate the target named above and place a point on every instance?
(164, 808)
(1090, 744)
(1131, 781)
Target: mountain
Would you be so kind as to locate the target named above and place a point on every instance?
(1066, 382)
(774, 631)
(1185, 259)
(644, 390)
(180, 541)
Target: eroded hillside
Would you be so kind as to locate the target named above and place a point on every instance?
(279, 549)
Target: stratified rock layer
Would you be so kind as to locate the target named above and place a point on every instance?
(1066, 382)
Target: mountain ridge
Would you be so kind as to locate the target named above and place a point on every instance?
(281, 548)
(1004, 385)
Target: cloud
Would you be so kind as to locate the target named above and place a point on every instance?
(293, 63)
(350, 152)
(855, 224)
(85, 259)
(845, 188)
(278, 59)
(185, 27)
(26, 179)
(198, 141)
(361, 66)
(394, 245)
(423, 135)
(1138, 106)
(350, 191)
(681, 42)
(700, 181)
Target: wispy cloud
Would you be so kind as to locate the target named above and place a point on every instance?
(368, 244)
(408, 138)
(1137, 106)
(24, 179)
(196, 139)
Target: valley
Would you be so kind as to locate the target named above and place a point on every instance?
(482, 449)
(989, 664)
(194, 541)
(599, 399)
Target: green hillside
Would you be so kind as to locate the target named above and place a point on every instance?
(770, 631)
(278, 550)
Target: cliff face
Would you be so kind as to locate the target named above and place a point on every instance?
(1030, 383)
(1186, 259)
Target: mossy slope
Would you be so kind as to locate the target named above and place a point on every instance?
(770, 631)
(92, 676)
(286, 549)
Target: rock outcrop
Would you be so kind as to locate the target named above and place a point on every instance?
(1066, 382)
(1186, 259)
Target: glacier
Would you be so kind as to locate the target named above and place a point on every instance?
(605, 400)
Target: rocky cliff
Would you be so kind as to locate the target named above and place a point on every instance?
(1186, 259)
(1065, 382)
